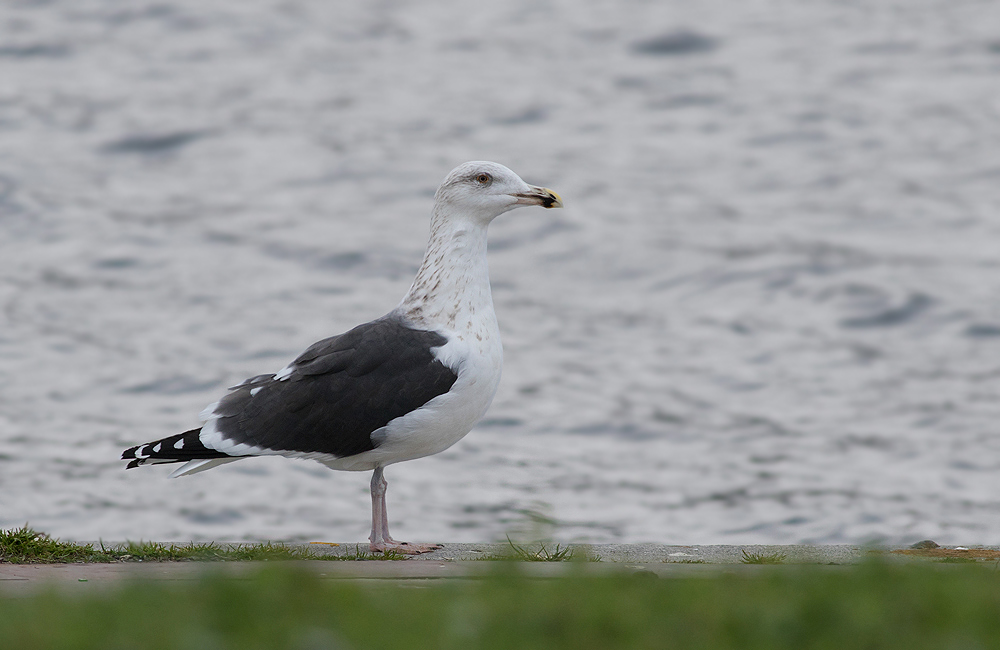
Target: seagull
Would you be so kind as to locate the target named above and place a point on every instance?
(407, 385)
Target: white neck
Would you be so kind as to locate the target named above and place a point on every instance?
(452, 287)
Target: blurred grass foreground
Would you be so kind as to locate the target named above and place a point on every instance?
(873, 605)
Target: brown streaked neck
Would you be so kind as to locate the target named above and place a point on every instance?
(452, 287)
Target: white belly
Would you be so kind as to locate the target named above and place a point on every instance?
(447, 418)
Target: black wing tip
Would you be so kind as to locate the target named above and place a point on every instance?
(192, 449)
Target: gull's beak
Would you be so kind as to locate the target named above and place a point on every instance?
(542, 196)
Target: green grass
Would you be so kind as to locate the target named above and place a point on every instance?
(762, 558)
(26, 546)
(877, 606)
(540, 554)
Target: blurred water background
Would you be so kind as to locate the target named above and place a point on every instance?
(770, 311)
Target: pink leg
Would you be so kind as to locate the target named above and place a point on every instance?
(380, 540)
(380, 519)
(385, 515)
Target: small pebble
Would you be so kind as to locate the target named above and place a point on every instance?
(927, 543)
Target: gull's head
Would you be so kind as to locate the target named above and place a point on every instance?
(484, 190)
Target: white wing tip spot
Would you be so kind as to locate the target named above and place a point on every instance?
(254, 391)
(284, 373)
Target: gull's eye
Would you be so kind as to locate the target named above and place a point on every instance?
(484, 179)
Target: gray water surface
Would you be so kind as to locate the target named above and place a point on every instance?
(770, 312)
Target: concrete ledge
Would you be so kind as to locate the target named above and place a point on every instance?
(466, 561)
(627, 553)
(707, 554)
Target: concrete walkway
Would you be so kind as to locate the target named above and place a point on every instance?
(625, 553)
(465, 561)
(663, 554)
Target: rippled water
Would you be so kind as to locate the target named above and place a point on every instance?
(769, 313)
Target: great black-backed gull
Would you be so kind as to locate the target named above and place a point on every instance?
(409, 384)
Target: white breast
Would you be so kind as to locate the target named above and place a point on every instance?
(454, 300)
(447, 418)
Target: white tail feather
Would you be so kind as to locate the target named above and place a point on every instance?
(200, 465)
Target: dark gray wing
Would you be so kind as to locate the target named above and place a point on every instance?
(338, 391)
